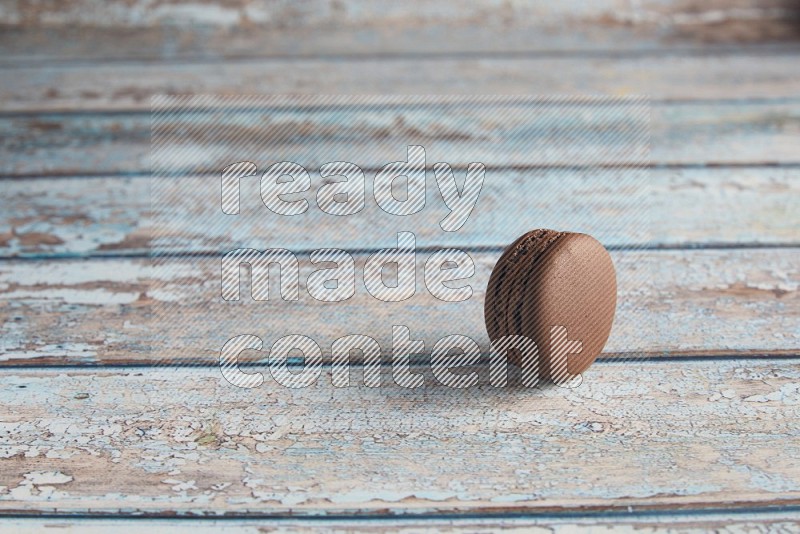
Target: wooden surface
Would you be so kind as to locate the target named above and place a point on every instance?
(688, 423)
(178, 29)
(634, 435)
(672, 303)
(716, 133)
(777, 522)
(736, 74)
(110, 215)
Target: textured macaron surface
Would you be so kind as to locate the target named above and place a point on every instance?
(558, 289)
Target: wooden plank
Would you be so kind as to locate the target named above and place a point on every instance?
(125, 311)
(45, 46)
(681, 134)
(128, 86)
(123, 29)
(87, 216)
(178, 14)
(672, 523)
(636, 436)
(312, 13)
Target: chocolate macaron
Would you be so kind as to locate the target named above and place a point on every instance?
(558, 289)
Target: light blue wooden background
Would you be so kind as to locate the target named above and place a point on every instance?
(701, 434)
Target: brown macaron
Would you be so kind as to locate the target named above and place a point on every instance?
(547, 281)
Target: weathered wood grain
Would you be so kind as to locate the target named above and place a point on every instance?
(177, 14)
(129, 86)
(681, 134)
(777, 522)
(120, 311)
(311, 13)
(46, 46)
(685, 435)
(82, 30)
(635, 436)
(88, 216)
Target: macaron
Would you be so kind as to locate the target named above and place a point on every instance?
(558, 289)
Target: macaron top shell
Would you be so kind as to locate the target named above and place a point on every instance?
(558, 289)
